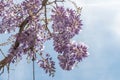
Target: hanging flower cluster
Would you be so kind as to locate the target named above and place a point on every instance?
(66, 24)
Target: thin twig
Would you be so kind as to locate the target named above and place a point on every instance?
(54, 2)
(33, 68)
(8, 70)
(44, 2)
(2, 53)
(78, 9)
(2, 71)
(46, 21)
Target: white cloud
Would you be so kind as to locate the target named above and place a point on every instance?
(116, 25)
(99, 3)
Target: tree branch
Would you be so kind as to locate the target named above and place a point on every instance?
(7, 60)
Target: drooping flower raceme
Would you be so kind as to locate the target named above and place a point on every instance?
(73, 54)
(47, 64)
(66, 24)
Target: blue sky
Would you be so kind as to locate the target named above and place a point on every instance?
(101, 32)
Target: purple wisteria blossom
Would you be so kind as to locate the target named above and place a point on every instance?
(12, 16)
(72, 54)
(31, 6)
(17, 13)
(47, 64)
(66, 24)
(66, 21)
